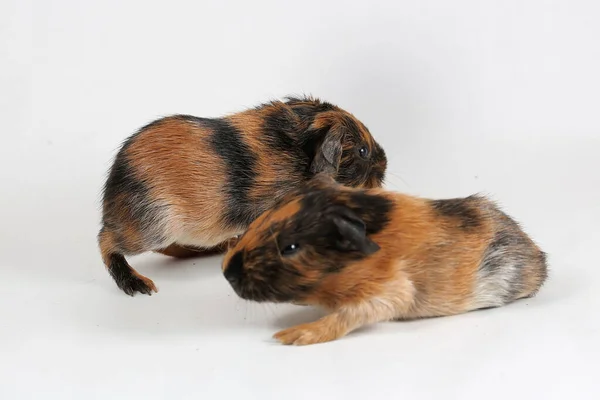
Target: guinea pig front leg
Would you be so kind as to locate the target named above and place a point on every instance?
(349, 317)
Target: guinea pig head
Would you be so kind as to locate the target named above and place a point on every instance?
(340, 144)
(285, 253)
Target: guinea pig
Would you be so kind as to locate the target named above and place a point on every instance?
(185, 185)
(370, 255)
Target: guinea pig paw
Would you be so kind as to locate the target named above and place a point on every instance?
(306, 334)
(138, 283)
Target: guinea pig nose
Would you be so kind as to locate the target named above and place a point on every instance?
(235, 267)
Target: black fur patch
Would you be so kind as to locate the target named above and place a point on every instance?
(123, 275)
(374, 210)
(241, 163)
(235, 267)
(459, 209)
(123, 190)
(283, 134)
(120, 177)
(122, 180)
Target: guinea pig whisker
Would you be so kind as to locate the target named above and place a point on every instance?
(269, 306)
(390, 173)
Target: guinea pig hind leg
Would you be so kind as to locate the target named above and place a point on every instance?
(126, 278)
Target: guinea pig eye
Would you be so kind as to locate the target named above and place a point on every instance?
(290, 249)
(363, 152)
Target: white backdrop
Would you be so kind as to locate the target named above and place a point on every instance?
(500, 97)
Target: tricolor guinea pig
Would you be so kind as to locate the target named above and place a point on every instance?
(370, 255)
(183, 184)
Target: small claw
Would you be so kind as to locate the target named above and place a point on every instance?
(137, 284)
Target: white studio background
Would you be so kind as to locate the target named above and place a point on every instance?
(500, 97)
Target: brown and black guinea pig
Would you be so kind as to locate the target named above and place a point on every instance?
(184, 185)
(370, 255)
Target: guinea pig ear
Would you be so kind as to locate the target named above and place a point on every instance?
(329, 153)
(353, 231)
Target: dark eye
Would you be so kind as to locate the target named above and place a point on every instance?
(363, 152)
(290, 249)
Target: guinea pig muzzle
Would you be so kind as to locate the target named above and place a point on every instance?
(236, 276)
(234, 269)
